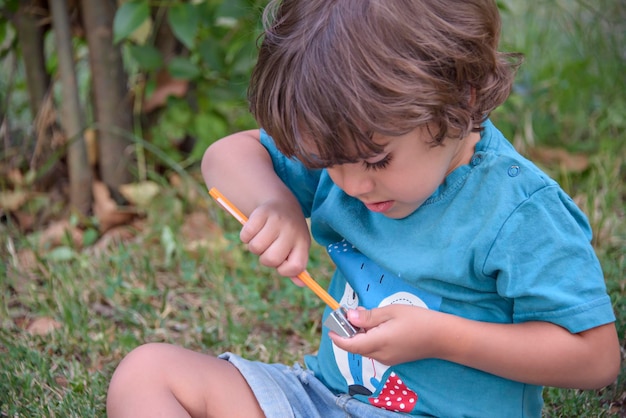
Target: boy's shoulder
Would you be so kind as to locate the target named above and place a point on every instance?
(503, 164)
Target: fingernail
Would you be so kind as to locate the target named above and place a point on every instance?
(353, 314)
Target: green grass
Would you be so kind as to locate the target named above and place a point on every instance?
(164, 284)
(213, 299)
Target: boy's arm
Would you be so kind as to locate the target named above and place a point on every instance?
(241, 168)
(538, 353)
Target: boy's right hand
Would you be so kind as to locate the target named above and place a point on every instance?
(277, 232)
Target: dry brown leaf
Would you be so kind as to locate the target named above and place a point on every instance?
(166, 87)
(16, 177)
(185, 187)
(13, 200)
(106, 210)
(97, 366)
(26, 259)
(140, 194)
(199, 231)
(22, 269)
(103, 310)
(25, 220)
(118, 234)
(198, 225)
(43, 326)
(560, 157)
(61, 381)
(54, 234)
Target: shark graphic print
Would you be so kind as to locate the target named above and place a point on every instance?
(370, 286)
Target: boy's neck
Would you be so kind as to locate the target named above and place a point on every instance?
(465, 151)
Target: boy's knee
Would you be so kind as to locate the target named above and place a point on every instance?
(138, 367)
(141, 361)
(141, 374)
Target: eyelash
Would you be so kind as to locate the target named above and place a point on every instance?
(378, 165)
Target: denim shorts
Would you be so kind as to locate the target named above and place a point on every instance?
(293, 392)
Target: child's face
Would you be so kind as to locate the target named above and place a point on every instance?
(397, 181)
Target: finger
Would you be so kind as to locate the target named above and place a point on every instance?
(358, 344)
(295, 263)
(367, 318)
(297, 282)
(290, 268)
(251, 228)
(264, 245)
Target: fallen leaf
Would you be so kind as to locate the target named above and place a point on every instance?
(26, 259)
(106, 210)
(140, 194)
(199, 225)
(56, 232)
(560, 157)
(16, 177)
(22, 270)
(43, 326)
(61, 381)
(13, 200)
(118, 234)
(104, 310)
(25, 220)
(185, 187)
(20, 321)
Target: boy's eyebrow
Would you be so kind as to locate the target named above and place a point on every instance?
(377, 157)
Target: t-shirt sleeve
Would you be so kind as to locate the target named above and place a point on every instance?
(301, 181)
(543, 260)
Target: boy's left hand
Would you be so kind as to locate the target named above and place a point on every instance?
(535, 352)
(393, 334)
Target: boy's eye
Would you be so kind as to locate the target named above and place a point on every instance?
(377, 165)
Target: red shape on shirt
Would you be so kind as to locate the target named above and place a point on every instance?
(395, 396)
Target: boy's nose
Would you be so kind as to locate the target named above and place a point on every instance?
(352, 179)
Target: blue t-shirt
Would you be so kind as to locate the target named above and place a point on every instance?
(499, 241)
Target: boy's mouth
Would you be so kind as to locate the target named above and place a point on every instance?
(380, 207)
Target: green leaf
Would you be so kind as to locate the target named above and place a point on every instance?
(168, 241)
(61, 254)
(183, 69)
(233, 9)
(9, 5)
(147, 56)
(212, 54)
(205, 11)
(244, 59)
(179, 112)
(4, 31)
(90, 237)
(129, 17)
(183, 20)
(209, 127)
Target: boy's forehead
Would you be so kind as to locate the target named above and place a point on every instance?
(345, 148)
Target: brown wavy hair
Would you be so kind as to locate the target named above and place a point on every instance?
(331, 73)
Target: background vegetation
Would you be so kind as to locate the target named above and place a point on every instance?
(161, 263)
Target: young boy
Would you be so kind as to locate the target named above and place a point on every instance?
(469, 270)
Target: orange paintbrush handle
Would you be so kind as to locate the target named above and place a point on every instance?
(304, 276)
(226, 204)
(318, 290)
